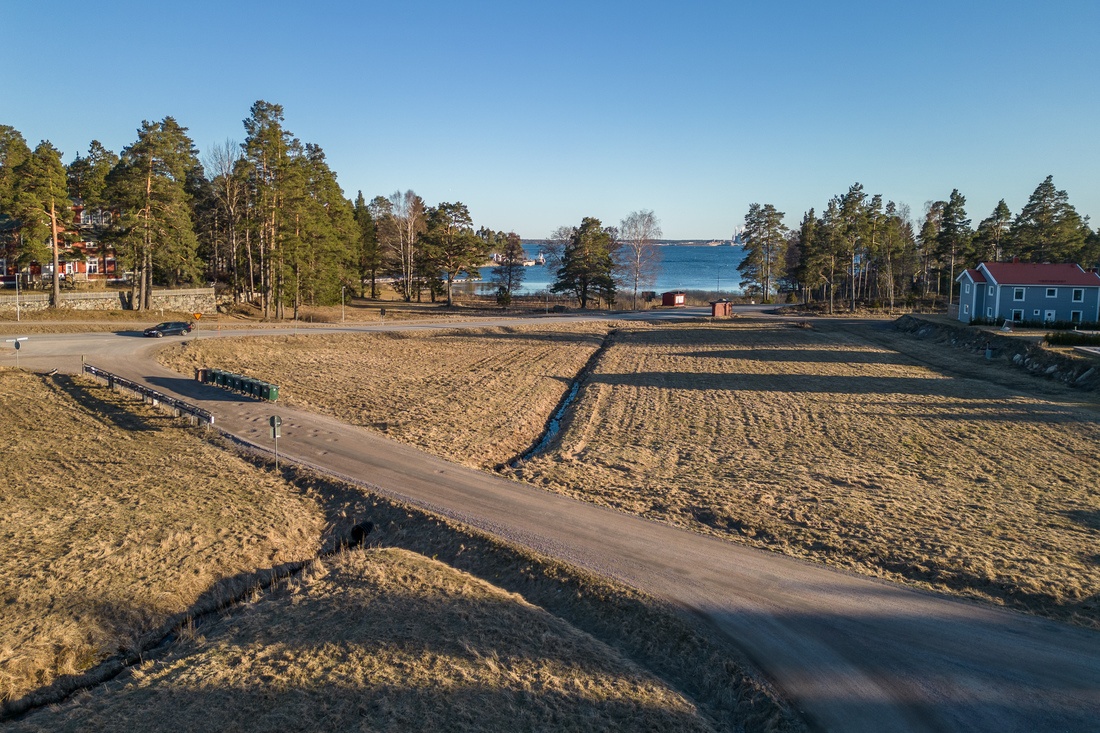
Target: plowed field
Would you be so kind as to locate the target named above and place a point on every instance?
(827, 446)
(479, 397)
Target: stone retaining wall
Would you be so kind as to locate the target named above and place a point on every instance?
(194, 300)
(1076, 371)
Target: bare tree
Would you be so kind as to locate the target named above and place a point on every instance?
(409, 213)
(221, 163)
(640, 256)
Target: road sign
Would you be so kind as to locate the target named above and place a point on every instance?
(276, 423)
(18, 343)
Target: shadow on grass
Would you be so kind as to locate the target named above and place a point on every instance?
(781, 383)
(530, 334)
(89, 398)
(802, 356)
(1086, 517)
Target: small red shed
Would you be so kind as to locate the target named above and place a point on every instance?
(673, 297)
(721, 308)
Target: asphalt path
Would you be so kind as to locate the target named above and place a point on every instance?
(851, 653)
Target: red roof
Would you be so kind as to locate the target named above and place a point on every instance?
(976, 275)
(1030, 273)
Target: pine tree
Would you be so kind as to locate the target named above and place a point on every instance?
(1048, 228)
(370, 253)
(587, 263)
(41, 204)
(992, 234)
(508, 274)
(953, 237)
(765, 240)
(450, 244)
(150, 186)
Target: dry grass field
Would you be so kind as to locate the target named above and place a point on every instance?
(115, 519)
(479, 397)
(845, 442)
(381, 640)
(120, 524)
(827, 445)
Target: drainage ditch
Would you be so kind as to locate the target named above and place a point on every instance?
(553, 425)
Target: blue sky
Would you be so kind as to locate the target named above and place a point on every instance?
(538, 114)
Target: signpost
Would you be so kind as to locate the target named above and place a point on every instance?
(276, 423)
(197, 317)
(17, 342)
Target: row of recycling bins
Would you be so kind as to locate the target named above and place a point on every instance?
(238, 383)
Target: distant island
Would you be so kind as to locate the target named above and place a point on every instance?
(665, 242)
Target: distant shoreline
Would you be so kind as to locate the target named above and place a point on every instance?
(664, 242)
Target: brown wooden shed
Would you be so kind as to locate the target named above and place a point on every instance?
(721, 308)
(674, 297)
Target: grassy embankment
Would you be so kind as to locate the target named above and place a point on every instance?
(849, 445)
(123, 524)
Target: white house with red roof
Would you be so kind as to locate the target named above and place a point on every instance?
(1025, 291)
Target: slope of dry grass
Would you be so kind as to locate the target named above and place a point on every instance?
(115, 518)
(478, 397)
(120, 523)
(826, 446)
(382, 640)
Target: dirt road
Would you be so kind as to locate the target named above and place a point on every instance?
(853, 654)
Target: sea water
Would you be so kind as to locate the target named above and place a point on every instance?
(712, 269)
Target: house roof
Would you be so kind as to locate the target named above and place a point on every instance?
(1031, 273)
(976, 275)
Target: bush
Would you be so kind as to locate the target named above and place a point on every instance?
(1072, 338)
(1053, 325)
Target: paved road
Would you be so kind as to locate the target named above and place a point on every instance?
(852, 653)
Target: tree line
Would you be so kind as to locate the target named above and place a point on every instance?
(265, 218)
(862, 249)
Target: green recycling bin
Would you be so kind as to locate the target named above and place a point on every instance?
(272, 392)
(219, 377)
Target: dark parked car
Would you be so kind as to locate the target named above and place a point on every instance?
(168, 328)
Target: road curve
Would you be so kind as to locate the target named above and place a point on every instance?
(851, 653)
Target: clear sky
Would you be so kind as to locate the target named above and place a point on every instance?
(536, 114)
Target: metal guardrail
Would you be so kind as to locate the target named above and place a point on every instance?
(150, 395)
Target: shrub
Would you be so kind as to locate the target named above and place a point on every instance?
(1072, 338)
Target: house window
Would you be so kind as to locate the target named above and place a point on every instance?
(1052, 292)
(93, 266)
(1075, 316)
(989, 312)
(966, 288)
(1018, 315)
(1018, 293)
(1035, 313)
(991, 291)
(966, 309)
(1078, 295)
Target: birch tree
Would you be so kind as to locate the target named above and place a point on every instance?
(640, 256)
